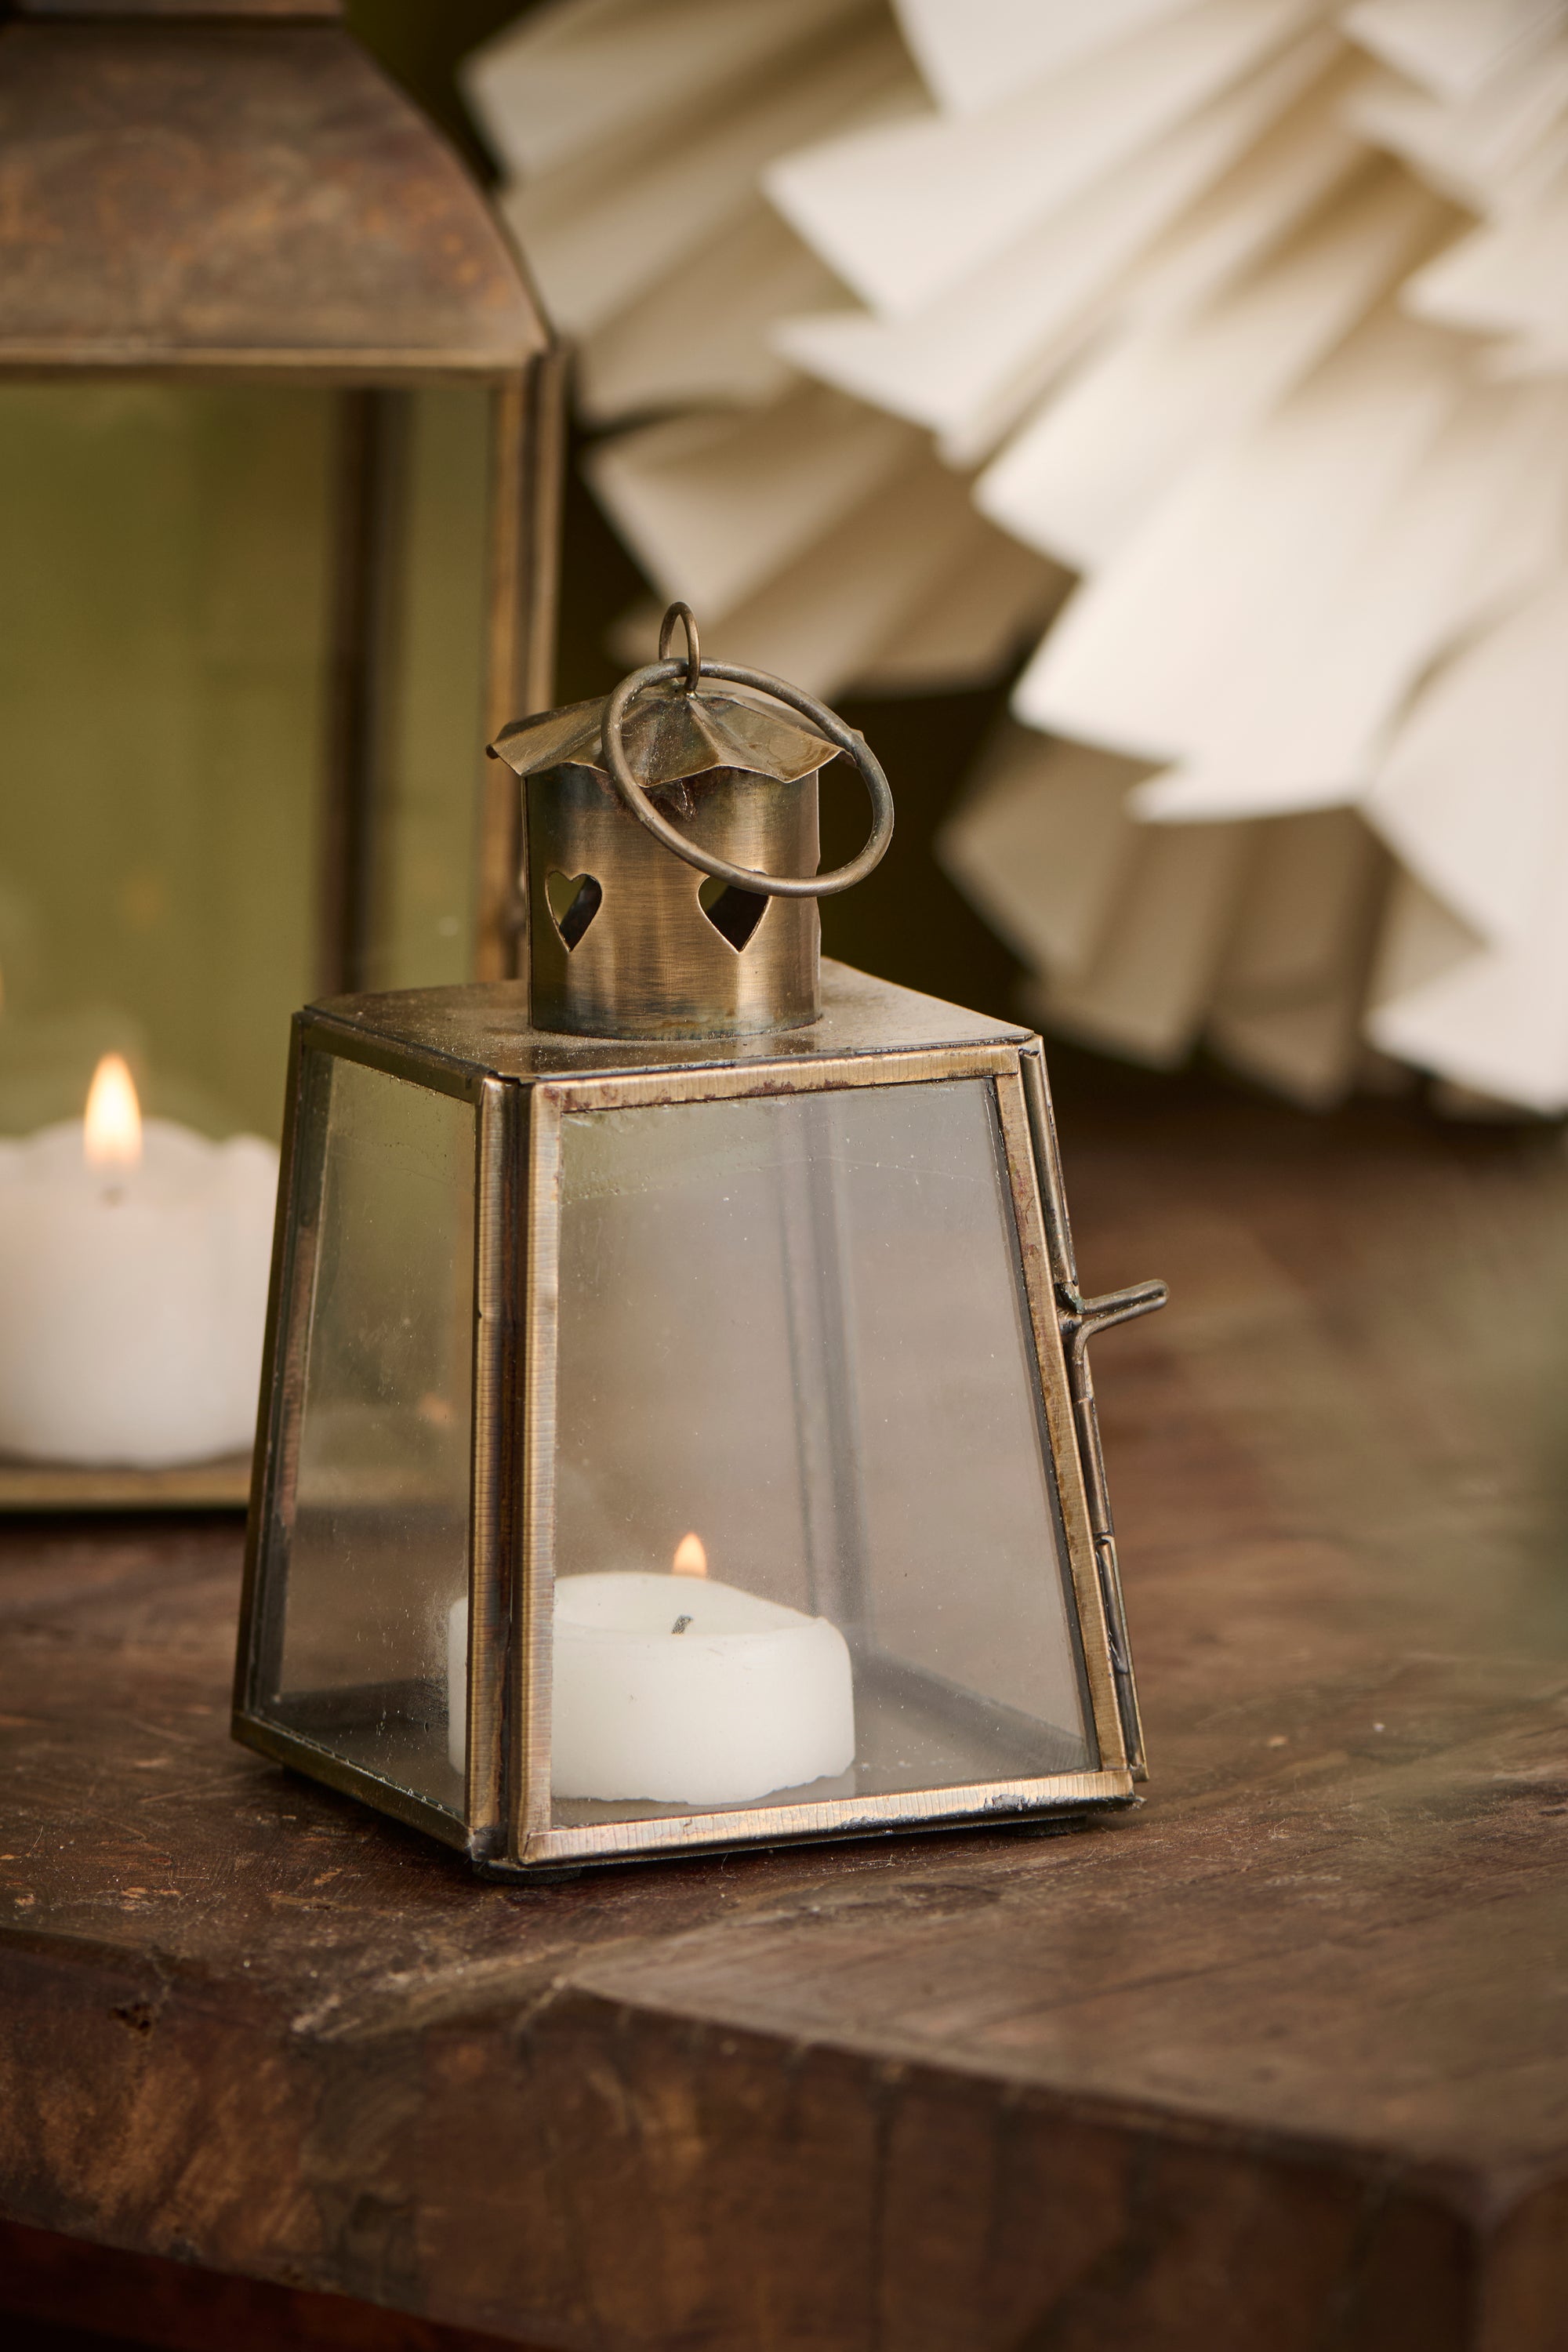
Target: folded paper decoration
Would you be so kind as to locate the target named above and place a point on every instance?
(1228, 338)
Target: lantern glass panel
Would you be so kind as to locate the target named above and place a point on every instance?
(794, 1326)
(378, 1551)
(164, 631)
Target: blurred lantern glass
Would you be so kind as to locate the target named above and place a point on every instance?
(168, 640)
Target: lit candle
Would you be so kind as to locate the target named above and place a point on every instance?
(133, 1267)
(682, 1690)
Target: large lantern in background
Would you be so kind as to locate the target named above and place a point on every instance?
(678, 1428)
(278, 469)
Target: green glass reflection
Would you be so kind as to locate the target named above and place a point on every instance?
(163, 595)
(166, 613)
(427, 848)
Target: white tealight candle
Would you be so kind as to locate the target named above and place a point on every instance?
(134, 1269)
(680, 1690)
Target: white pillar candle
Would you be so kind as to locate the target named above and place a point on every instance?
(681, 1690)
(132, 1288)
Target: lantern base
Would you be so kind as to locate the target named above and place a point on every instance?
(1051, 1825)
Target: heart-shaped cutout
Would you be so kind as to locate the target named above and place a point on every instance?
(734, 914)
(573, 900)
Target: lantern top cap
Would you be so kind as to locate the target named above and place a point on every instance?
(671, 735)
(660, 728)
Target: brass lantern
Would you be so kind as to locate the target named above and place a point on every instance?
(678, 1429)
(279, 463)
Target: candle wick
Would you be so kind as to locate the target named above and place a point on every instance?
(680, 1625)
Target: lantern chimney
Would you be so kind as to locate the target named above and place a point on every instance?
(672, 850)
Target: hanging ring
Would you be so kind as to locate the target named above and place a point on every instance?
(683, 614)
(744, 877)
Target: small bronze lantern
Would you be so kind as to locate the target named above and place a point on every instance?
(678, 1429)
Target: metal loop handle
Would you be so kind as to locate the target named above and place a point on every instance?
(687, 619)
(744, 877)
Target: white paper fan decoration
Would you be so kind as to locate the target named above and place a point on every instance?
(1253, 315)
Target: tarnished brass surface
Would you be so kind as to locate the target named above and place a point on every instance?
(239, 198)
(626, 798)
(470, 1034)
(670, 734)
(649, 962)
(637, 954)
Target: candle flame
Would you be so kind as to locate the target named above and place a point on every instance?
(111, 1136)
(691, 1557)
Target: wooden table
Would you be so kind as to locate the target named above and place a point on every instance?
(1280, 2061)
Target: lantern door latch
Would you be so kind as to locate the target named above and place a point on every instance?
(1083, 1318)
(1080, 1320)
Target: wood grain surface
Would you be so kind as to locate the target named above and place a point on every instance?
(1280, 2061)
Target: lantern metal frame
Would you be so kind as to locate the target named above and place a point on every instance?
(475, 1044)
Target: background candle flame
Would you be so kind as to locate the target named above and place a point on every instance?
(691, 1557)
(111, 1136)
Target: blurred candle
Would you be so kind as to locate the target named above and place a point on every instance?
(134, 1269)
